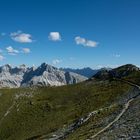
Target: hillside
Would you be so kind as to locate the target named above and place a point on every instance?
(73, 112)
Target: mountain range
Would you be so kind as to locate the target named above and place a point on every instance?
(47, 75)
(44, 75)
(87, 72)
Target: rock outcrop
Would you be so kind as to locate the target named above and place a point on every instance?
(44, 75)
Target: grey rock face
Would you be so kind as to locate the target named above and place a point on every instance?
(44, 75)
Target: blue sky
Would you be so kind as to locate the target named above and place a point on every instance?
(70, 33)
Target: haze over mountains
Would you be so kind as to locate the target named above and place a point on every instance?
(87, 72)
(44, 75)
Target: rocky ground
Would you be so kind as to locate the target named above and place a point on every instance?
(127, 127)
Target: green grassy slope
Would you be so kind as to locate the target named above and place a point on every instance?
(38, 111)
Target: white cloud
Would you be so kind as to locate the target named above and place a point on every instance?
(21, 37)
(11, 50)
(54, 36)
(1, 57)
(87, 43)
(26, 50)
(117, 55)
(56, 61)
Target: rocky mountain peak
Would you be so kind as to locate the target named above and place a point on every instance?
(23, 66)
(43, 65)
(5, 68)
(121, 71)
(103, 74)
(43, 75)
(128, 67)
(47, 68)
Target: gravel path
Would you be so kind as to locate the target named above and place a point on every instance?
(127, 104)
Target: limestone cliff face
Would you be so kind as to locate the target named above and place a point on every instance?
(44, 75)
